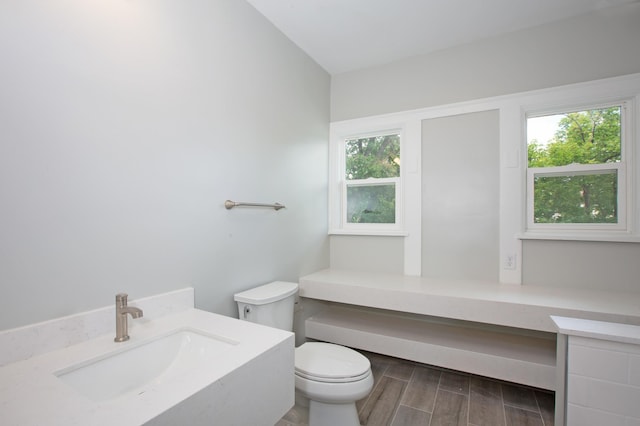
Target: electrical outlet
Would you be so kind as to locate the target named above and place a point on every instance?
(509, 261)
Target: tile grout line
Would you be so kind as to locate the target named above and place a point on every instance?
(535, 397)
(395, 412)
(524, 409)
(413, 408)
(504, 410)
(435, 399)
(375, 385)
(468, 399)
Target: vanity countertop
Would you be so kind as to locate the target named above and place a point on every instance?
(32, 394)
(614, 332)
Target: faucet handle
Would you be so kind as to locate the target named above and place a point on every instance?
(121, 299)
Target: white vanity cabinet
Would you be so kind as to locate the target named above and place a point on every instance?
(602, 373)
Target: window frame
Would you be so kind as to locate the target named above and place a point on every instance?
(338, 184)
(623, 168)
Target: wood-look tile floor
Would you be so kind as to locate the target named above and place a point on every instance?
(406, 393)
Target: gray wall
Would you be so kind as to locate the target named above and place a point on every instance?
(367, 253)
(123, 128)
(611, 266)
(598, 45)
(460, 182)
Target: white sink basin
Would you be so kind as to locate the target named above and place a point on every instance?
(138, 367)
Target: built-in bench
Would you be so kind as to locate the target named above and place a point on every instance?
(496, 330)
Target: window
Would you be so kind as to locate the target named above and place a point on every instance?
(576, 169)
(372, 177)
(369, 183)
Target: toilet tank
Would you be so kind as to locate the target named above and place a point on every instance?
(270, 304)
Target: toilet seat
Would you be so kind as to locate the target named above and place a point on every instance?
(329, 363)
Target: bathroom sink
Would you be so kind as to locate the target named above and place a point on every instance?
(138, 367)
(185, 368)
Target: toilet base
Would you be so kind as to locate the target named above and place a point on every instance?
(322, 414)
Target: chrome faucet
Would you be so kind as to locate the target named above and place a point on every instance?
(122, 326)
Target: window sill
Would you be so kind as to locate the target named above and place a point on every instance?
(567, 236)
(369, 232)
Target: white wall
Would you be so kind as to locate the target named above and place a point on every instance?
(598, 45)
(124, 125)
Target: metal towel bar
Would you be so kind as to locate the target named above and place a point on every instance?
(231, 204)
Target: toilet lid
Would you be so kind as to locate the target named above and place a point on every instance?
(327, 362)
(267, 293)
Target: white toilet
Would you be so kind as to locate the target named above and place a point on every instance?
(331, 377)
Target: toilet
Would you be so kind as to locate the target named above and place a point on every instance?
(331, 377)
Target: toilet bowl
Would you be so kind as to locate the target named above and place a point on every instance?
(333, 378)
(330, 376)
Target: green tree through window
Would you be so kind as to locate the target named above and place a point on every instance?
(372, 169)
(585, 195)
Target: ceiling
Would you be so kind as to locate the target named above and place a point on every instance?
(346, 35)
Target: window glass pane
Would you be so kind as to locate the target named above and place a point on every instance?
(576, 199)
(373, 157)
(371, 203)
(583, 137)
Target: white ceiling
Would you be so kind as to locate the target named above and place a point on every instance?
(345, 35)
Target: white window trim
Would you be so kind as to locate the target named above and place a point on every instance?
(338, 224)
(513, 161)
(513, 181)
(624, 168)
